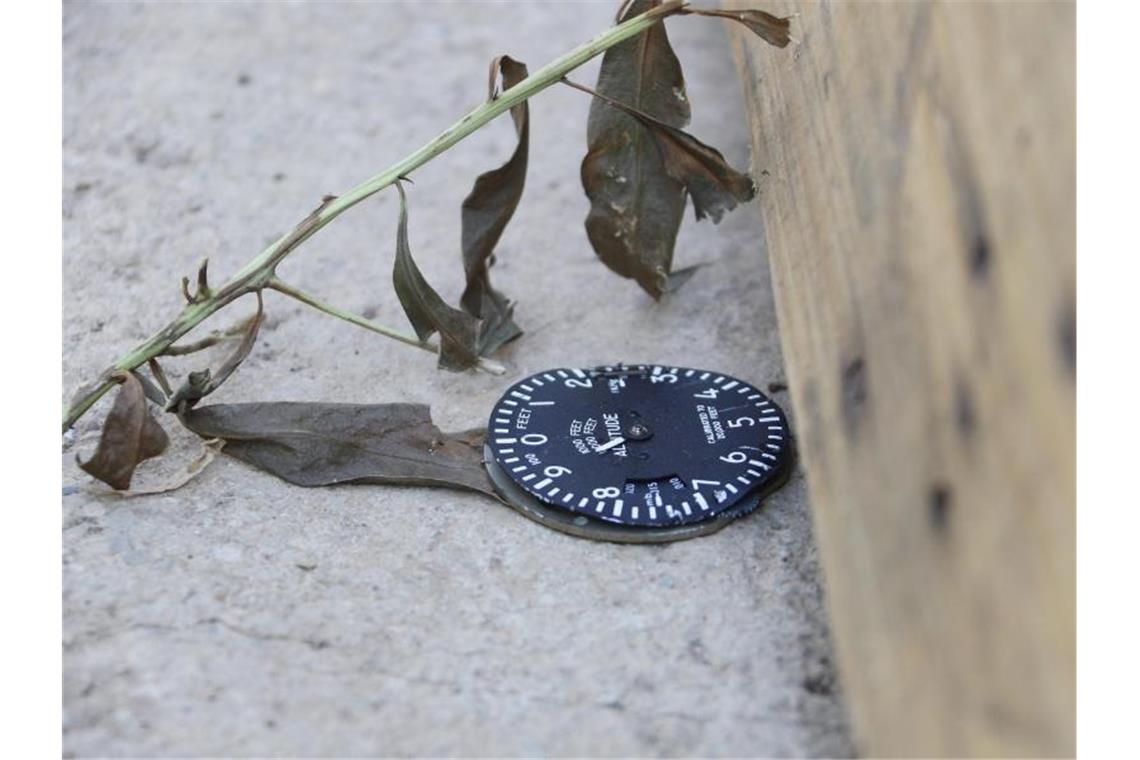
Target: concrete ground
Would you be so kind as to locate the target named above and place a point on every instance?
(244, 616)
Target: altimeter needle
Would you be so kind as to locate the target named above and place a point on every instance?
(609, 444)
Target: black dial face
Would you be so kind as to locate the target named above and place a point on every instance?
(642, 446)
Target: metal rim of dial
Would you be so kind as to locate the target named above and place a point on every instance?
(640, 454)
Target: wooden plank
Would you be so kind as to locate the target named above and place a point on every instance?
(916, 165)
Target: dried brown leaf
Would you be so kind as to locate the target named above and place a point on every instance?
(160, 377)
(319, 444)
(153, 393)
(198, 385)
(714, 186)
(635, 205)
(485, 214)
(427, 312)
(774, 30)
(497, 326)
(209, 452)
(130, 436)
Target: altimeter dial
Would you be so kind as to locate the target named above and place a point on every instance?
(641, 446)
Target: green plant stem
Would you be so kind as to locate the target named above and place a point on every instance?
(308, 299)
(260, 271)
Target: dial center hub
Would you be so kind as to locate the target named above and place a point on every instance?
(638, 431)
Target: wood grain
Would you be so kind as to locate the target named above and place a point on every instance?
(916, 166)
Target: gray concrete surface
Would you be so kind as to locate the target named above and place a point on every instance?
(243, 616)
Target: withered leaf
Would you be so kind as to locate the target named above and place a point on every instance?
(485, 214)
(153, 393)
(210, 449)
(714, 186)
(160, 377)
(320, 444)
(200, 384)
(130, 436)
(772, 29)
(635, 205)
(427, 312)
(497, 326)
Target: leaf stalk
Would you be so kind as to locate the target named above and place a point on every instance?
(487, 365)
